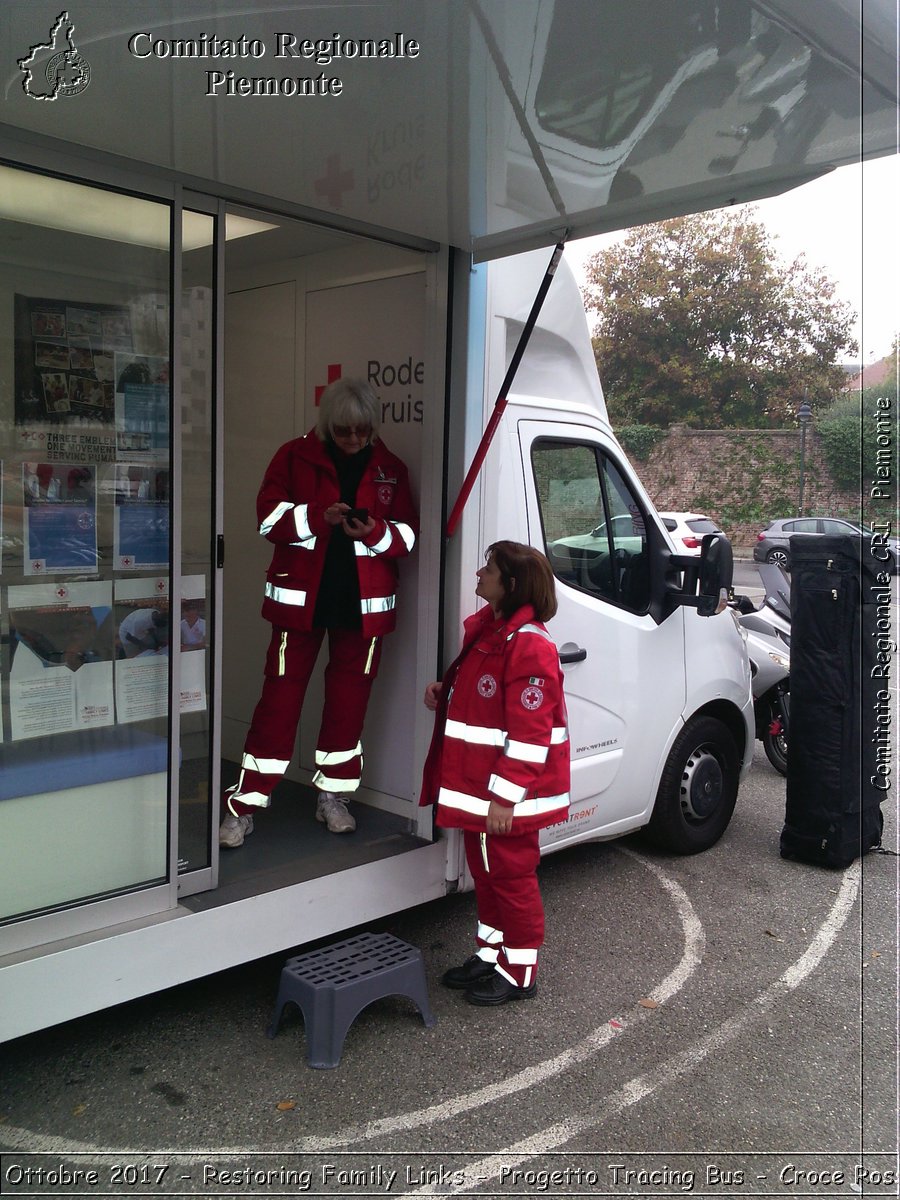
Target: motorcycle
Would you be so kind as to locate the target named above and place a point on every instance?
(767, 630)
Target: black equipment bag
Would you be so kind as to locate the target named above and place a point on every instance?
(839, 740)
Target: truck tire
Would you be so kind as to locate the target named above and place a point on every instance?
(697, 790)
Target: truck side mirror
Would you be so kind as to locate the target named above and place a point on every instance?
(705, 581)
(716, 574)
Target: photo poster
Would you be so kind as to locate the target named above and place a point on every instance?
(61, 658)
(142, 632)
(65, 375)
(142, 406)
(192, 687)
(141, 527)
(60, 505)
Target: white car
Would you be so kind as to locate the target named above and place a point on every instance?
(687, 530)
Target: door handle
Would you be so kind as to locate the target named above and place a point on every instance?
(577, 654)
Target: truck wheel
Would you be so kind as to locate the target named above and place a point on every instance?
(698, 789)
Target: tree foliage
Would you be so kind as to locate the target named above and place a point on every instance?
(859, 433)
(700, 321)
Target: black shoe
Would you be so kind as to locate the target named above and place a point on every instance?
(472, 970)
(497, 990)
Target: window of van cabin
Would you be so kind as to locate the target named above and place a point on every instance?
(84, 575)
(594, 530)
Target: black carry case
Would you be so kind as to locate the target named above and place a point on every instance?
(839, 707)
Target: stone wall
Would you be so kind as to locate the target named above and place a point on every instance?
(742, 478)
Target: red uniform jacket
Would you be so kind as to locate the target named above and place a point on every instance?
(501, 731)
(300, 483)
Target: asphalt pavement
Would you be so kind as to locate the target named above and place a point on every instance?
(723, 1024)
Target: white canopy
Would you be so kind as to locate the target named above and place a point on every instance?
(492, 125)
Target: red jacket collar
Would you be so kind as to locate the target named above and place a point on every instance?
(484, 624)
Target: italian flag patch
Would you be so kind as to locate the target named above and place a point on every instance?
(535, 681)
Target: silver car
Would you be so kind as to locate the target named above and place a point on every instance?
(773, 544)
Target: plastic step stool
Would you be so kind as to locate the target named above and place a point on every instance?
(333, 985)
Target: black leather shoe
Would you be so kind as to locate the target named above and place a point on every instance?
(497, 990)
(472, 970)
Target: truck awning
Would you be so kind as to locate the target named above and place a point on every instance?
(492, 125)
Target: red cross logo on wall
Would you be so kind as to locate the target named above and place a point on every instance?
(334, 182)
(334, 372)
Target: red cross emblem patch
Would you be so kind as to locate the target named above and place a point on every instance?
(532, 697)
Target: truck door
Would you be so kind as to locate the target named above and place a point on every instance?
(624, 673)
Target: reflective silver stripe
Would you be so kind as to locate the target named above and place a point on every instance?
(282, 651)
(301, 521)
(487, 933)
(331, 758)
(265, 766)
(274, 517)
(383, 543)
(463, 802)
(257, 799)
(482, 842)
(527, 751)
(506, 790)
(535, 629)
(406, 532)
(378, 604)
(521, 958)
(558, 735)
(285, 595)
(330, 783)
(476, 735)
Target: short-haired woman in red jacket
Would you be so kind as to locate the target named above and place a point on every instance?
(337, 508)
(498, 766)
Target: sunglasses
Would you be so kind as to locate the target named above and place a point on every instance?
(345, 431)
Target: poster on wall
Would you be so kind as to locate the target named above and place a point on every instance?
(141, 615)
(193, 643)
(75, 364)
(61, 657)
(60, 506)
(141, 527)
(142, 406)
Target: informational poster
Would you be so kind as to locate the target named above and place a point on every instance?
(89, 379)
(142, 406)
(142, 634)
(60, 507)
(141, 529)
(61, 657)
(193, 643)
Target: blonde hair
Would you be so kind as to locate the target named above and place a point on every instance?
(347, 402)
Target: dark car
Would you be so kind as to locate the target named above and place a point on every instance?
(773, 544)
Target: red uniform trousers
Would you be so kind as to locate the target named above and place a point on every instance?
(352, 666)
(510, 911)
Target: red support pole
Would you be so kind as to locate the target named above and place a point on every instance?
(500, 404)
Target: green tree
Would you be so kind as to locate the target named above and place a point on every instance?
(700, 321)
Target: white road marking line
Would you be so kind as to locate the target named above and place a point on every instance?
(644, 1085)
(694, 944)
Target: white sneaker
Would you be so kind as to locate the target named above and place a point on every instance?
(332, 810)
(233, 830)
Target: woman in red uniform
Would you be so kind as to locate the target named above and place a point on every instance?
(498, 766)
(333, 571)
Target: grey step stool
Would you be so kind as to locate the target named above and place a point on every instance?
(333, 985)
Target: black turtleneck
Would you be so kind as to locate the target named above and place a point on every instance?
(337, 604)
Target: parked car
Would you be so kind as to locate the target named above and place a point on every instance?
(773, 544)
(687, 530)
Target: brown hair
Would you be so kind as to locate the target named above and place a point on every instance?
(527, 578)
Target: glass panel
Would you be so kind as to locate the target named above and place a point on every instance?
(196, 406)
(85, 621)
(594, 530)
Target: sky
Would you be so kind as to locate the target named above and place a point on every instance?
(846, 223)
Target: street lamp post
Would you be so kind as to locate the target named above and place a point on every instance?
(804, 416)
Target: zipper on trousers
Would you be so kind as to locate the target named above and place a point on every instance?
(484, 858)
(371, 656)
